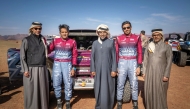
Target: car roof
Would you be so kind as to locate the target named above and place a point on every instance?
(82, 32)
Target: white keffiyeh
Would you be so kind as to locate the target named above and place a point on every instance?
(102, 27)
(99, 40)
(34, 24)
(151, 47)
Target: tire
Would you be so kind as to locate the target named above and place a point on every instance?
(127, 92)
(182, 58)
(50, 81)
(73, 85)
(141, 70)
(0, 91)
(175, 57)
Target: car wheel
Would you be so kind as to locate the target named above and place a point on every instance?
(127, 92)
(0, 90)
(182, 59)
(50, 81)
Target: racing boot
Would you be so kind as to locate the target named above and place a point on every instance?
(119, 104)
(135, 104)
(59, 104)
(68, 105)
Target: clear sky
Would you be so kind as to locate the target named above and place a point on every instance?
(16, 16)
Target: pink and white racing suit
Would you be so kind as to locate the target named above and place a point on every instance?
(129, 55)
(65, 56)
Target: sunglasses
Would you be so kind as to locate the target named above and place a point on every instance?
(102, 32)
(126, 28)
(38, 28)
(158, 35)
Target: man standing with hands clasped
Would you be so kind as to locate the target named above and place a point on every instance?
(129, 52)
(156, 71)
(104, 67)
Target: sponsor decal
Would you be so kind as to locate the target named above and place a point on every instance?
(124, 39)
(18, 66)
(123, 42)
(58, 45)
(132, 42)
(128, 51)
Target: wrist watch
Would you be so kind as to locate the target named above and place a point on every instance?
(74, 68)
(139, 65)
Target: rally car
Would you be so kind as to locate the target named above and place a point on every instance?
(184, 56)
(178, 48)
(174, 41)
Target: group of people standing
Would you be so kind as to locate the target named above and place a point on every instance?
(120, 57)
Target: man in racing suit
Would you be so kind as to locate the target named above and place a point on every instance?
(129, 52)
(65, 58)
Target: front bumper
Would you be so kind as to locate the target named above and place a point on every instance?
(88, 81)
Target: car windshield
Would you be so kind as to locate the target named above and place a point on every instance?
(174, 37)
(84, 42)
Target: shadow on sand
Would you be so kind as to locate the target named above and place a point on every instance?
(141, 90)
(140, 93)
(80, 94)
(77, 95)
(188, 63)
(6, 85)
(5, 98)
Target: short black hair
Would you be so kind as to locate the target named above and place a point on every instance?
(126, 22)
(143, 32)
(63, 26)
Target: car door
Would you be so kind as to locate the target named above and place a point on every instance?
(14, 66)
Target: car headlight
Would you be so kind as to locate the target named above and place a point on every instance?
(178, 47)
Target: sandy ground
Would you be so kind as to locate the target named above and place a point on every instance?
(178, 93)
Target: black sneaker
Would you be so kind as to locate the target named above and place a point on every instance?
(119, 105)
(59, 104)
(135, 107)
(68, 105)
